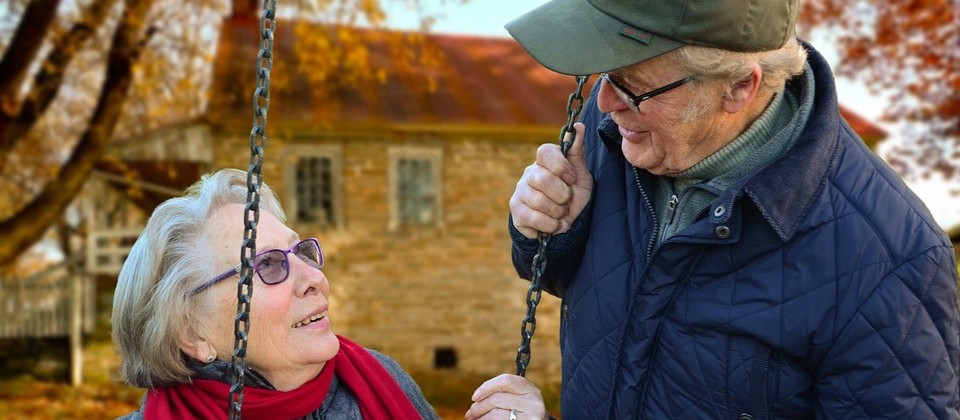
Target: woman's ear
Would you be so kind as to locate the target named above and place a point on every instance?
(198, 348)
(743, 92)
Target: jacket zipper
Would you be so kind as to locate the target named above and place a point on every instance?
(656, 338)
(653, 215)
(655, 350)
(649, 255)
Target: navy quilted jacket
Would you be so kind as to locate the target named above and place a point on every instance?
(820, 287)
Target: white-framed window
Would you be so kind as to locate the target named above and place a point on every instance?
(314, 185)
(415, 186)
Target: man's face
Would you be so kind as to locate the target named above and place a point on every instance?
(658, 138)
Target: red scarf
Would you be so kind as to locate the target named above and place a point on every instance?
(378, 394)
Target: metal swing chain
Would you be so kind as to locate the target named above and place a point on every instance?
(258, 139)
(529, 324)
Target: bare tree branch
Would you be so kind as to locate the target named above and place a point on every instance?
(49, 78)
(23, 48)
(27, 226)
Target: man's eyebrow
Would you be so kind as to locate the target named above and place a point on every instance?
(294, 237)
(630, 79)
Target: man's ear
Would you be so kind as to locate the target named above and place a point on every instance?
(743, 92)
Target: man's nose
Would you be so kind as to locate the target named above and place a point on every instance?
(608, 100)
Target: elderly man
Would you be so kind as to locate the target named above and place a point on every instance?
(724, 244)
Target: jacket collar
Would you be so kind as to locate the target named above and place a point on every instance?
(222, 371)
(784, 190)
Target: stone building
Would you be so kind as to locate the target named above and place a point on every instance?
(407, 190)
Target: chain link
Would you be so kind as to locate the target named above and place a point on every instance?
(258, 139)
(529, 324)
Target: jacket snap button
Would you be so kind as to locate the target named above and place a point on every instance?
(745, 416)
(717, 212)
(722, 232)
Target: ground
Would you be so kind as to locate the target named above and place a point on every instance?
(100, 397)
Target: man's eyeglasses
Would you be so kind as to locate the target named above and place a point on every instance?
(273, 265)
(634, 100)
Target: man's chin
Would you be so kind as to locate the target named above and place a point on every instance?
(638, 156)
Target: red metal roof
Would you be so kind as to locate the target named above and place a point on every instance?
(870, 132)
(479, 81)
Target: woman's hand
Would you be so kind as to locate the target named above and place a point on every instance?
(495, 398)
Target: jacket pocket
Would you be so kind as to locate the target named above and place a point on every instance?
(759, 375)
(779, 387)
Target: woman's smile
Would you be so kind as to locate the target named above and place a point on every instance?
(313, 322)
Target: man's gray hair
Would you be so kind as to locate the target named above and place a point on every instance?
(720, 69)
(153, 307)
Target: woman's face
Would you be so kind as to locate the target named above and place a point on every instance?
(282, 344)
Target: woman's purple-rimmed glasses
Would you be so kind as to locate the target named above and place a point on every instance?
(273, 265)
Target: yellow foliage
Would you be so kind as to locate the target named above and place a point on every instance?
(336, 56)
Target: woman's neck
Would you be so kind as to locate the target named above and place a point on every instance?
(288, 380)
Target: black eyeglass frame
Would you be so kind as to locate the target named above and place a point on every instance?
(286, 254)
(635, 100)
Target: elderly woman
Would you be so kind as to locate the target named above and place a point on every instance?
(173, 319)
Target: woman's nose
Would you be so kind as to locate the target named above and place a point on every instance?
(309, 279)
(608, 100)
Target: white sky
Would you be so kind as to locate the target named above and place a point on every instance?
(487, 17)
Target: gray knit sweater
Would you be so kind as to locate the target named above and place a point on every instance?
(684, 197)
(340, 403)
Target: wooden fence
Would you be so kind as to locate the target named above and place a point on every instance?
(55, 302)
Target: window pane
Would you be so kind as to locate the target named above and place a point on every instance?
(416, 191)
(314, 190)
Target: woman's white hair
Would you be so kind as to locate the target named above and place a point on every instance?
(153, 307)
(718, 70)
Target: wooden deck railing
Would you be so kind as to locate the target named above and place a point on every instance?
(107, 249)
(55, 302)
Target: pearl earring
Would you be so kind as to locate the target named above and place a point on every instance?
(211, 358)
